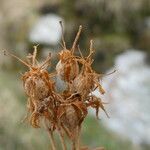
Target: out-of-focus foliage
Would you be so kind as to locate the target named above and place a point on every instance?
(113, 25)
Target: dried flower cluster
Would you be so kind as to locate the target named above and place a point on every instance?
(63, 112)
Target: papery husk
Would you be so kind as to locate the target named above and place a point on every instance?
(71, 116)
(67, 70)
(37, 84)
(83, 84)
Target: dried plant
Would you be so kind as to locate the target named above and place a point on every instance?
(67, 67)
(66, 111)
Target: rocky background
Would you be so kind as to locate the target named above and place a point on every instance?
(121, 33)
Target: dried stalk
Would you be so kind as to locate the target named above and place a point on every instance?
(76, 39)
(74, 145)
(52, 140)
(78, 138)
(61, 135)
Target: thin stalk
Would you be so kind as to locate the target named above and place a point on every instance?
(66, 131)
(73, 145)
(76, 39)
(50, 133)
(46, 61)
(61, 135)
(34, 56)
(53, 145)
(12, 55)
(78, 138)
(62, 36)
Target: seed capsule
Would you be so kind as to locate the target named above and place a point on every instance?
(71, 113)
(67, 67)
(36, 85)
(83, 84)
(88, 79)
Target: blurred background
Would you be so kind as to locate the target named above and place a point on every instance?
(121, 33)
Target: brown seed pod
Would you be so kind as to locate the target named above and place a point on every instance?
(69, 118)
(71, 115)
(37, 84)
(83, 84)
(88, 79)
(67, 67)
(46, 109)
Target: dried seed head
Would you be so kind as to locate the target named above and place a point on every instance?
(72, 113)
(83, 84)
(67, 68)
(70, 118)
(36, 85)
(87, 80)
(36, 81)
(62, 111)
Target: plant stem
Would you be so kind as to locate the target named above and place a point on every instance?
(50, 133)
(78, 138)
(62, 139)
(51, 139)
(73, 144)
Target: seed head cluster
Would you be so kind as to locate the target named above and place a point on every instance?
(65, 111)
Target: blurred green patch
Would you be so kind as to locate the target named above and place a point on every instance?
(96, 135)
